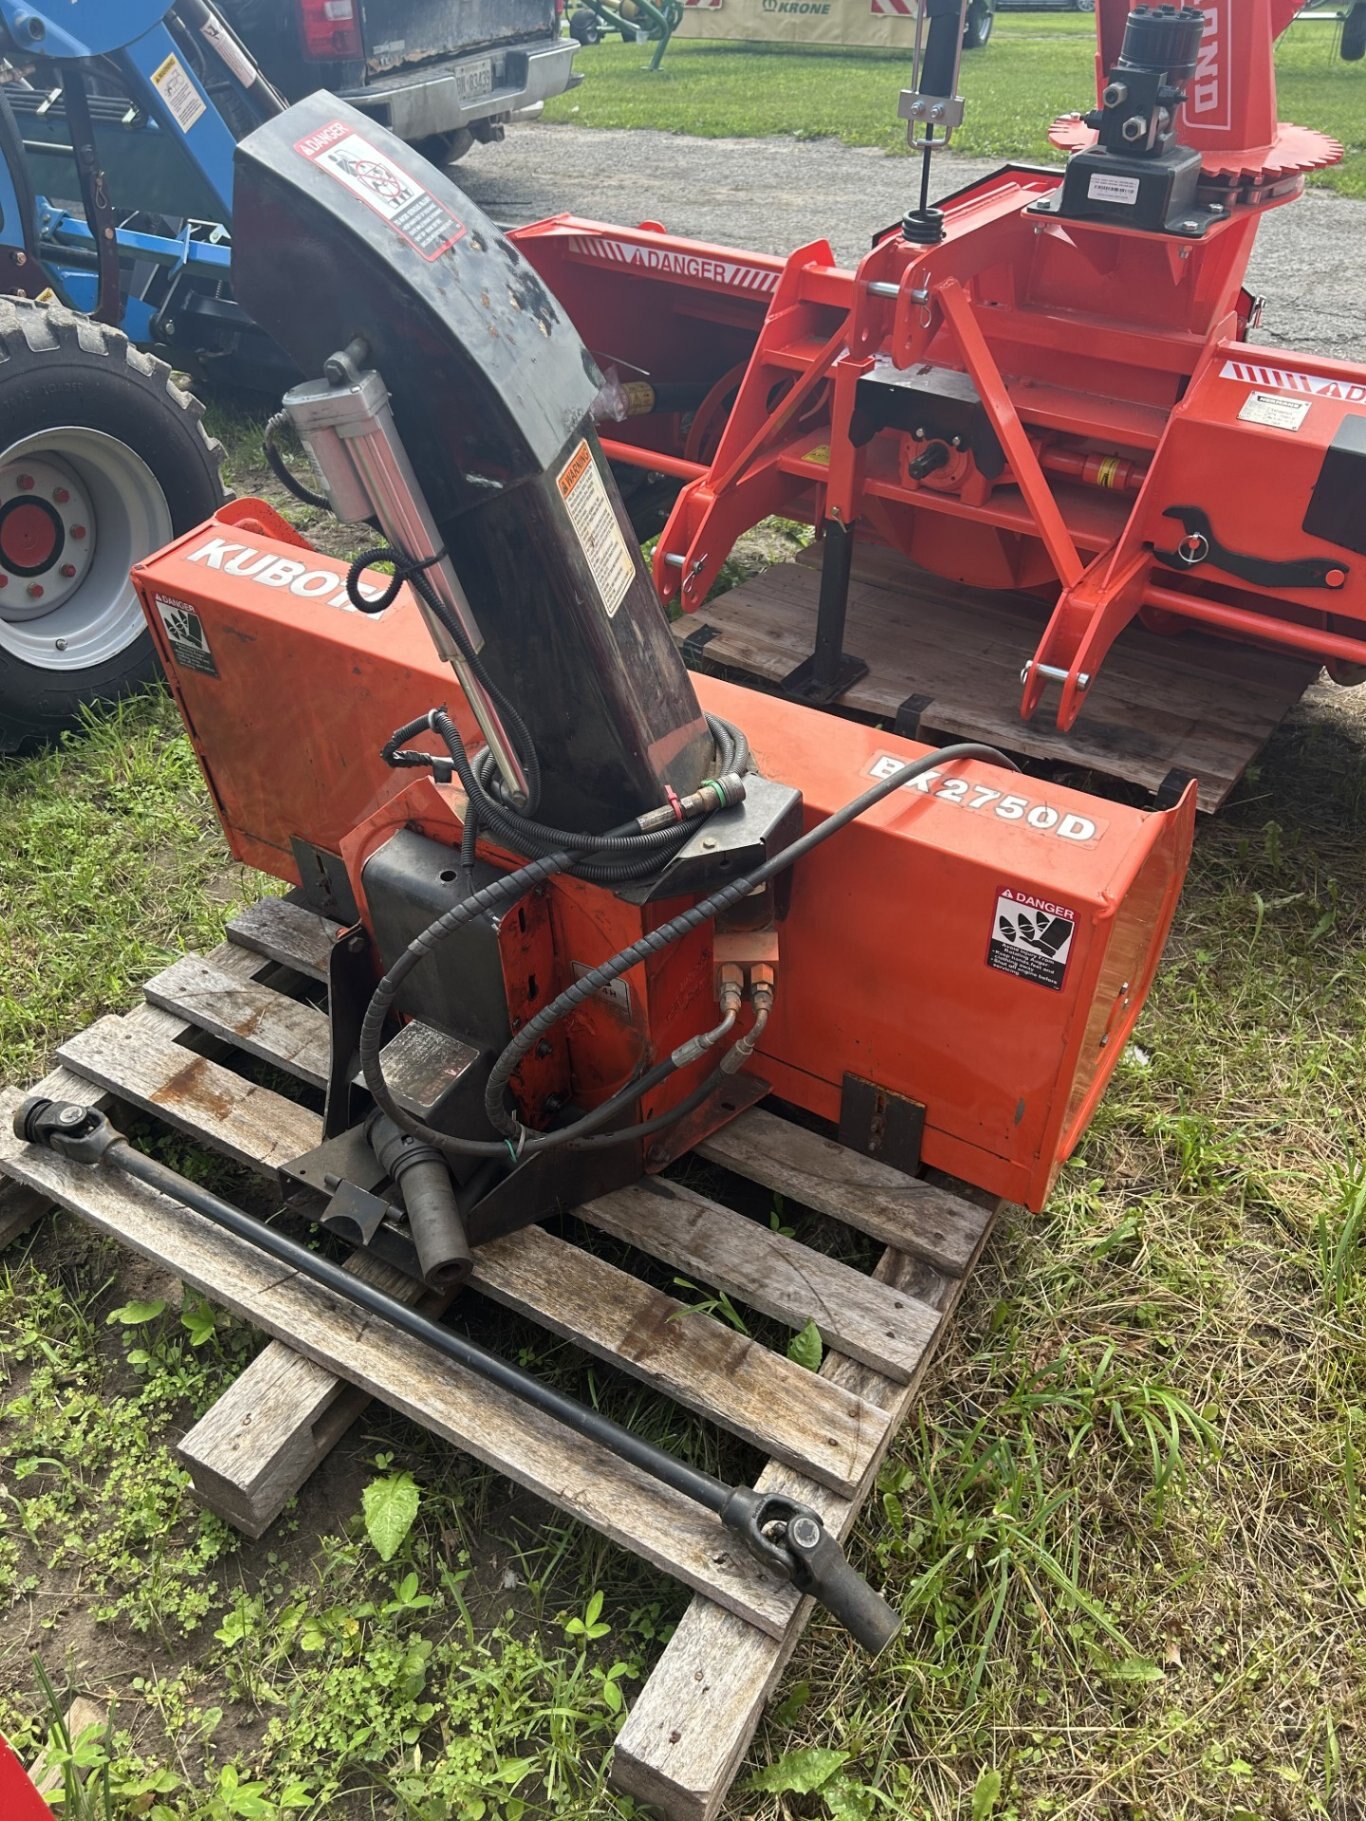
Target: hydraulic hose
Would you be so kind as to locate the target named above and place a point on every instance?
(503, 1120)
(281, 469)
(518, 1142)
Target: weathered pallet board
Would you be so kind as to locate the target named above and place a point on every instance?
(692, 1723)
(21, 1206)
(1192, 703)
(823, 1435)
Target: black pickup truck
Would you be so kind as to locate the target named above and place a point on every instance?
(439, 73)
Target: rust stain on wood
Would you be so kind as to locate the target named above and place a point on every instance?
(192, 1087)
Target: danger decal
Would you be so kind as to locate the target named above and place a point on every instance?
(1031, 938)
(674, 264)
(408, 206)
(185, 635)
(609, 559)
(1317, 385)
(176, 87)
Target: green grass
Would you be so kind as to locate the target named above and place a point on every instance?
(1035, 68)
(1125, 1530)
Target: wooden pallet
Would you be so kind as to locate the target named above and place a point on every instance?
(1196, 704)
(823, 1435)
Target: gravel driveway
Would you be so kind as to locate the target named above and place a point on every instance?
(775, 194)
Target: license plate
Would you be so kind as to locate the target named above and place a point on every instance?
(474, 79)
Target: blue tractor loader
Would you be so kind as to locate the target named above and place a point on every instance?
(118, 120)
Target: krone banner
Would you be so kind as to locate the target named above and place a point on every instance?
(885, 23)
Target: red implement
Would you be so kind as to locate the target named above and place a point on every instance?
(1065, 406)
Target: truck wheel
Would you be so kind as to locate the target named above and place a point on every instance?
(1354, 35)
(1083, 6)
(977, 27)
(102, 461)
(442, 149)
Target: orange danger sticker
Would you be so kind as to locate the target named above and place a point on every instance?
(595, 525)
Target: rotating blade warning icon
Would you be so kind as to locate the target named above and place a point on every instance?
(1031, 937)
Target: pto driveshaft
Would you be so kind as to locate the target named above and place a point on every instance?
(787, 1537)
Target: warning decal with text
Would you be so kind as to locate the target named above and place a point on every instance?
(185, 634)
(407, 205)
(1031, 937)
(183, 101)
(595, 525)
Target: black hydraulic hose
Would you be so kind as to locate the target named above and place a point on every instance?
(281, 469)
(517, 1142)
(598, 978)
(786, 1536)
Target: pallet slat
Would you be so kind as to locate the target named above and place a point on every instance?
(285, 932)
(1158, 704)
(245, 1013)
(20, 1207)
(868, 1320)
(758, 1395)
(903, 1211)
(250, 1124)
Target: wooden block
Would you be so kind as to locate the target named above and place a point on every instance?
(903, 1211)
(282, 1415)
(689, 1729)
(868, 1320)
(569, 1471)
(252, 1017)
(80, 1718)
(702, 1363)
(251, 1452)
(287, 933)
(252, 1125)
(19, 1209)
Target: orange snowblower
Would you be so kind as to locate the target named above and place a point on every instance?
(590, 910)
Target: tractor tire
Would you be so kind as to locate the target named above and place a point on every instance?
(585, 27)
(1353, 46)
(102, 461)
(977, 26)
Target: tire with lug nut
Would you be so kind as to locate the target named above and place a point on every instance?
(102, 461)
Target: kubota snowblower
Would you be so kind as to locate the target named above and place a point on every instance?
(592, 911)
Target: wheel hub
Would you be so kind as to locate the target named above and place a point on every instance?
(47, 540)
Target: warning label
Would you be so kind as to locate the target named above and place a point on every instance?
(595, 525)
(182, 99)
(407, 205)
(185, 630)
(1031, 938)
